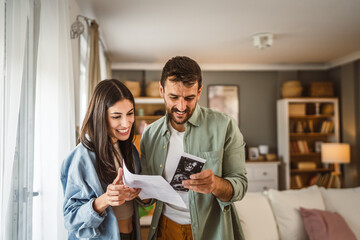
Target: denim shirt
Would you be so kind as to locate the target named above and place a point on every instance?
(81, 187)
(217, 138)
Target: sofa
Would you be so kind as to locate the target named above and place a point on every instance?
(308, 213)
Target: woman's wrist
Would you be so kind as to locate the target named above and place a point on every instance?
(100, 204)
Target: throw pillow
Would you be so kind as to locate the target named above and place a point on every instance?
(286, 204)
(346, 202)
(256, 217)
(325, 225)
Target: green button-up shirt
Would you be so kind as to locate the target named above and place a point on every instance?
(215, 137)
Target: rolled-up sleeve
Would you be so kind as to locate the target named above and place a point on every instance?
(79, 214)
(233, 168)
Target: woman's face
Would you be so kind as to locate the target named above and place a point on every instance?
(120, 117)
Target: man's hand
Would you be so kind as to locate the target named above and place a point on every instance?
(206, 182)
(203, 182)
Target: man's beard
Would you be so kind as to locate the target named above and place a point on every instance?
(187, 115)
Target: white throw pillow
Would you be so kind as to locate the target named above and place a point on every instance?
(256, 217)
(345, 202)
(286, 204)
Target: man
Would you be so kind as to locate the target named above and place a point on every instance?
(187, 127)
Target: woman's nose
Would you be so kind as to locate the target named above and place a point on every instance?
(124, 122)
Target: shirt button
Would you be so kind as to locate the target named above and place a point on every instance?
(164, 147)
(224, 210)
(153, 228)
(161, 165)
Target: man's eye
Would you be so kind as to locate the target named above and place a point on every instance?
(189, 99)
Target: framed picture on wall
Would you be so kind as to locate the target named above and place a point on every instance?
(225, 99)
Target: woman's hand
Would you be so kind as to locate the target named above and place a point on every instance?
(116, 194)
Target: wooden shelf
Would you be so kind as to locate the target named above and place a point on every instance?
(314, 134)
(320, 116)
(149, 100)
(316, 170)
(310, 154)
(153, 117)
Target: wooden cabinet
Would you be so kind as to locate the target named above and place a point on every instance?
(302, 125)
(262, 176)
(147, 110)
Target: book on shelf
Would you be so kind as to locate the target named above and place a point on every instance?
(327, 127)
(311, 125)
(331, 127)
(300, 146)
(295, 147)
(326, 179)
(322, 180)
(314, 179)
(298, 181)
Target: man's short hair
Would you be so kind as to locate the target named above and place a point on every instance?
(182, 69)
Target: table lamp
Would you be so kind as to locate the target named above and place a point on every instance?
(335, 153)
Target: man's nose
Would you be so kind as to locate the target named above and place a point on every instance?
(181, 104)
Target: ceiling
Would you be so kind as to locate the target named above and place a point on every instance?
(219, 33)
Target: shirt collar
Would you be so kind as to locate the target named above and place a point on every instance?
(195, 118)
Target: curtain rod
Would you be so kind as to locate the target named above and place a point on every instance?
(77, 28)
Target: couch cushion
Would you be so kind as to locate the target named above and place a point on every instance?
(286, 204)
(346, 202)
(256, 217)
(325, 225)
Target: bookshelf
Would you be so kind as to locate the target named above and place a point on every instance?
(302, 125)
(148, 110)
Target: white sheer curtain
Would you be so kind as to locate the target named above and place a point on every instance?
(85, 70)
(54, 118)
(11, 81)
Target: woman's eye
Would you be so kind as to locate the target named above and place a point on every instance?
(130, 113)
(116, 117)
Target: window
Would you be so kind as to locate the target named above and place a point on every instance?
(18, 55)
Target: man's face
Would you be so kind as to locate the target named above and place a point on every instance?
(180, 102)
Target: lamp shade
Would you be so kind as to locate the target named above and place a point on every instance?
(335, 153)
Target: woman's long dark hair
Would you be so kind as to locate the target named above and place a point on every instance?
(95, 129)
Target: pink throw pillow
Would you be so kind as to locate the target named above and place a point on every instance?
(325, 225)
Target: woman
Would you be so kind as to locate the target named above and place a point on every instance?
(97, 204)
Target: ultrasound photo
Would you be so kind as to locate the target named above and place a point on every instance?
(188, 165)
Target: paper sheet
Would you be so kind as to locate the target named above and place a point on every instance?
(152, 186)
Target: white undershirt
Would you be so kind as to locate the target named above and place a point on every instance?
(175, 150)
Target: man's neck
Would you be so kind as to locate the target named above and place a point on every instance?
(177, 127)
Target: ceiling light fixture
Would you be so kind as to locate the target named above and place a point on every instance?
(262, 40)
